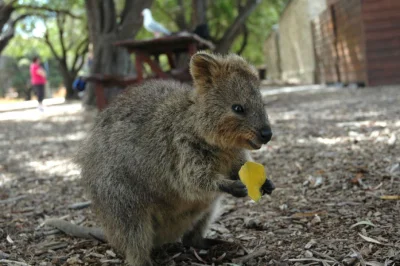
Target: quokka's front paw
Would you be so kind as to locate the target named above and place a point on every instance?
(267, 187)
(235, 188)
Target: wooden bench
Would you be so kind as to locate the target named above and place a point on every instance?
(148, 52)
(103, 81)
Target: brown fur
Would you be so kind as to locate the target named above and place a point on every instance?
(159, 157)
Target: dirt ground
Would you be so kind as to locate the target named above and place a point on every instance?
(335, 158)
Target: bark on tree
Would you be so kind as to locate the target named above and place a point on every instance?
(245, 32)
(68, 72)
(5, 18)
(107, 27)
(7, 25)
(223, 46)
(199, 11)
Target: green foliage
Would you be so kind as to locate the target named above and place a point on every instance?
(29, 38)
(21, 46)
(220, 15)
(259, 25)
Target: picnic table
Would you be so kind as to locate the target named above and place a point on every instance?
(148, 52)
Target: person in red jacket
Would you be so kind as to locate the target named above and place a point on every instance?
(38, 80)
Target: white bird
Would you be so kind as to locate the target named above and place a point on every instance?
(151, 25)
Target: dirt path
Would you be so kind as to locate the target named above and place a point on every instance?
(333, 155)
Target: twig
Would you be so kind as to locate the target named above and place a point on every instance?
(12, 199)
(255, 254)
(220, 257)
(197, 256)
(79, 205)
(13, 262)
(310, 259)
(77, 231)
(55, 246)
(49, 9)
(112, 261)
(171, 258)
(322, 255)
(4, 255)
(51, 232)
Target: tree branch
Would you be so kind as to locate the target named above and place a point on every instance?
(245, 32)
(60, 26)
(93, 17)
(180, 17)
(48, 42)
(131, 20)
(81, 62)
(46, 8)
(199, 12)
(125, 12)
(6, 36)
(5, 13)
(109, 14)
(234, 29)
(168, 14)
(79, 53)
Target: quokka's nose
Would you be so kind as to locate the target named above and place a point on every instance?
(265, 134)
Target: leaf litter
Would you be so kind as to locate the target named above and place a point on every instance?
(334, 158)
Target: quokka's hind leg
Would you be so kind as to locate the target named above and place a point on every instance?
(195, 237)
(140, 244)
(135, 239)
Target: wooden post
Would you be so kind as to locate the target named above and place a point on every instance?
(139, 66)
(100, 97)
(192, 48)
(154, 67)
(171, 60)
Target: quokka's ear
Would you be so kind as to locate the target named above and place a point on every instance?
(203, 68)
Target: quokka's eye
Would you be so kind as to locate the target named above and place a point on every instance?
(237, 108)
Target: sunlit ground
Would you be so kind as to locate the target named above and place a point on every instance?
(334, 154)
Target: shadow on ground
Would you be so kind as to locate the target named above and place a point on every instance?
(333, 155)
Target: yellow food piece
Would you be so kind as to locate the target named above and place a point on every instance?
(253, 177)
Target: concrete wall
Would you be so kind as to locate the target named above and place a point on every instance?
(296, 40)
(271, 52)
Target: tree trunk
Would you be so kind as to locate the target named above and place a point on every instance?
(234, 30)
(199, 11)
(5, 15)
(68, 79)
(104, 30)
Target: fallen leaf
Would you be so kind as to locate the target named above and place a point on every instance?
(306, 214)
(9, 240)
(392, 140)
(363, 223)
(310, 244)
(356, 179)
(316, 220)
(374, 263)
(314, 181)
(390, 197)
(110, 253)
(394, 168)
(377, 187)
(197, 256)
(368, 239)
(308, 254)
(388, 262)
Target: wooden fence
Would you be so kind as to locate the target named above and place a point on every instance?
(358, 41)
